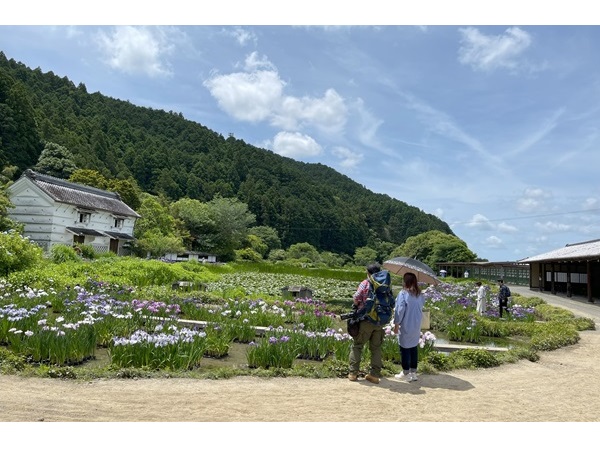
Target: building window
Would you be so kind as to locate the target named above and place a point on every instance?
(84, 217)
(119, 223)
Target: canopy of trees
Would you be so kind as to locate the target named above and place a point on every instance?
(434, 247)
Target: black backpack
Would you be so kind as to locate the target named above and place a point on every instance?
(379, 307)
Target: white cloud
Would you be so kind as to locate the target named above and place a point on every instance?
(136, 50)
(534, 200)
(481, 222)
(591, 203)
(493, 242)
(349, 159)
(443, 125)
(368, 126)
(489, 52)
(505, 227)
(247, 96)
(241, 35)
(257, 94)
(327, 113)
(295, 145)
(546, 127)
(552, 227)
(254, 62)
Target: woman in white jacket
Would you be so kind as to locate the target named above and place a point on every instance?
(481, 298)
(407, 325)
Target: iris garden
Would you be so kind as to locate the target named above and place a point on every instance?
(49, 322)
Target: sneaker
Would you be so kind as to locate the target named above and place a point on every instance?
(412, 376)
(352, 377)
(372, 379)
(401, 376)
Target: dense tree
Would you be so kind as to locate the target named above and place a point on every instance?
(56, 161)
(268, 235)
(6, 223)
(89, 177)
(434, 247)
(20, 143)
(127, 189)
(157, 244)
(198, 220)
(364, 256)
(232, 219)
(303, 251)
(157, 231)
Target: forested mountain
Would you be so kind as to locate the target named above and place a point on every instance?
(167, 154)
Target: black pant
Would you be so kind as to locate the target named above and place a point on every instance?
(503, 303)
(409, 357)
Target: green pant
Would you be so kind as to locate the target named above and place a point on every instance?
(373, 334)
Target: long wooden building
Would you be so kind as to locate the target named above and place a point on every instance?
(570, 270)
(573, 270)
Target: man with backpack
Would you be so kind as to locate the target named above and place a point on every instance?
(503, 295)
(374, 302)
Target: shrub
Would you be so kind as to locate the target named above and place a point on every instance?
(88, 252)
(439, 361)
(248, 254)
(61, 253)
(552, 335)
(9, 362)
(17, 252)
(61, 372)
(479, 357)
(520, 352)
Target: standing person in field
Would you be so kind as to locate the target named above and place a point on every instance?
(481, 298)
(407, 325)
(503, 294)
(368, 332)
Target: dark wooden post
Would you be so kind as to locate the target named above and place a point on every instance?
(589, 282)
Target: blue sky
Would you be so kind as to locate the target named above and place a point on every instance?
(493, 128)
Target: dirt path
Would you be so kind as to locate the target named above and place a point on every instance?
(562, 386)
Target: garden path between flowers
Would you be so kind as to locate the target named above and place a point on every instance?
(561, 387)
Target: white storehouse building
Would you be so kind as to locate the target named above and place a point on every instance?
(56, 211)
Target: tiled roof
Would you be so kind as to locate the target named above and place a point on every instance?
(79, 195)
(580, 251)
(123, 236)
(84, 231)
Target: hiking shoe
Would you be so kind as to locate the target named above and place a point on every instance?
(401, 376)
(352, 377)
(372, 379)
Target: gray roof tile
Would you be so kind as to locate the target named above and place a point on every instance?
(80, 195)
(582, 251)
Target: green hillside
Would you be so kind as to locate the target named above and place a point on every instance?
(170, 155)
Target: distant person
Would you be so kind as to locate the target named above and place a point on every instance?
(407, 325)
(481, 298)
(503, 295)
(466, 274)
(368, 332)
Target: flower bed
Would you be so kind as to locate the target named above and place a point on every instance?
(150, 328)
